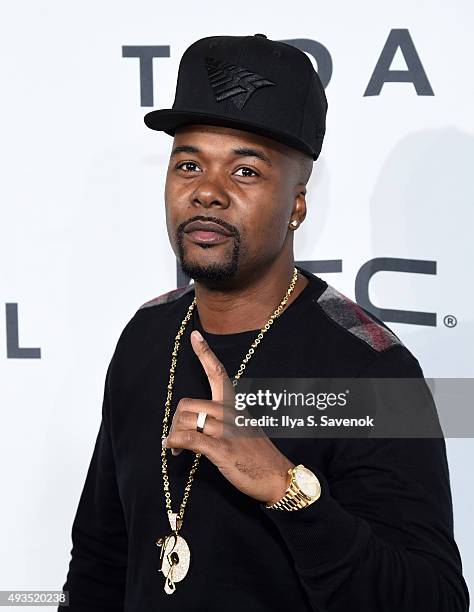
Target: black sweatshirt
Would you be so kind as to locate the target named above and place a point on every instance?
(380, 537)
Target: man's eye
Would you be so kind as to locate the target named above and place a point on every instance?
(249, 169)
(191, 167)
(187, 164)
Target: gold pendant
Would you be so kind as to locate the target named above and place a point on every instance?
(174, 556)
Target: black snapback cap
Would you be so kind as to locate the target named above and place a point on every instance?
(250, 83)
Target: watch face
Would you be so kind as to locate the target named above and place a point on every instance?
(307, 482)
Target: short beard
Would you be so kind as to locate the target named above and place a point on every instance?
(215, 273)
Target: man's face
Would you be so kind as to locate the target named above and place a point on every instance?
(243, 182)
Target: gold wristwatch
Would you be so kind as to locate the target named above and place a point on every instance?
(303, 490)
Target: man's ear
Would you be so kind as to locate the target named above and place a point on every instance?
(299, 208)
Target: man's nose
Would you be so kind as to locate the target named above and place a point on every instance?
(210, 193)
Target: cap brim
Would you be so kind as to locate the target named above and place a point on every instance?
(168, 120)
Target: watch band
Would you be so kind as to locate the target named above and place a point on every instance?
(294, 498)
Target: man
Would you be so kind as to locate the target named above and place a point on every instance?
(176, 514)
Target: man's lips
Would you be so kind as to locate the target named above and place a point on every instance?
(206, 232)
(200, 236)
(206, 226)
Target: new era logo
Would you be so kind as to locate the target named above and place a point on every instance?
(234, 82)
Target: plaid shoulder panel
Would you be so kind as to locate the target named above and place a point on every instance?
(170, 296)
(349, 315)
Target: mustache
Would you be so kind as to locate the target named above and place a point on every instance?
(230, 228)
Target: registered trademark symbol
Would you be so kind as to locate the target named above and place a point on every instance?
(450, 321)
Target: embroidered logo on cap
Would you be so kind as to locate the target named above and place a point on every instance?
(233, 81)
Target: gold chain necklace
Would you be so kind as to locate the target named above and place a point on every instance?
(174, 550)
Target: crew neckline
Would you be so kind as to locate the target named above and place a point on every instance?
(223, 339)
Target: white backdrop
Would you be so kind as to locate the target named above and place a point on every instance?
(83, 240)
